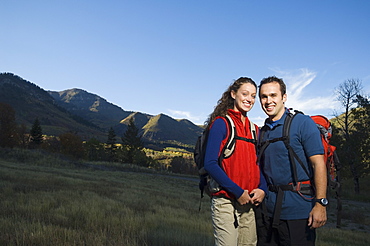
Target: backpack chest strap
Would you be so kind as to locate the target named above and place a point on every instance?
(253, 141)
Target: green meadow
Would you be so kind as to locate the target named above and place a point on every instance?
(48, 200)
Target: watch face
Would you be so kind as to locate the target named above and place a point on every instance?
(324, 201)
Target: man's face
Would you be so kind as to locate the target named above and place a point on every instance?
(272, 102)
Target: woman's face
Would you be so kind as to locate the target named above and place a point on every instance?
(244, 98)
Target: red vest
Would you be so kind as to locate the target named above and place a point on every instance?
(241, 167)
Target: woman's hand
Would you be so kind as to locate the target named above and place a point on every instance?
(244, 198)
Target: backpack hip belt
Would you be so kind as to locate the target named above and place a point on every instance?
(303, 187)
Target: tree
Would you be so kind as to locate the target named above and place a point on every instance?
(36, 134)
(361, 135)
(94, 150)
(132, 141)
(7, 126)
(71, 145)
(51, 144)
(347, 93)
(22, 136)
(111, 144)
(182, 165)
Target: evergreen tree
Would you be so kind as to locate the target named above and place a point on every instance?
(132, 140)
(111, 137)
(36, 133)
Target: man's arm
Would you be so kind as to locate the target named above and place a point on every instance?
(318, 213)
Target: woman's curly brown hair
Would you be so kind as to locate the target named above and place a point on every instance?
(226, 101)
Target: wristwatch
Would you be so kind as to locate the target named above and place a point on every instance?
(323, 201)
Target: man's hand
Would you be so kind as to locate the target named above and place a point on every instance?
(317, 216)
(257, 196)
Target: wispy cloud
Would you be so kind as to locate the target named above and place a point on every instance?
(302, 95)
(186, 115)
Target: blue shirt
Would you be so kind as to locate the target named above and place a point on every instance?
(275, 164)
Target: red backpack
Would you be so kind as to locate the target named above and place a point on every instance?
(331, 159)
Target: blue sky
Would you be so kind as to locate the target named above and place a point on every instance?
(177, 57)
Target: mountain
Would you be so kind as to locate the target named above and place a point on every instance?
(88, 115)
(98, 111)
(31, 102)
(140, 120)
(91, 107)
(164, 128)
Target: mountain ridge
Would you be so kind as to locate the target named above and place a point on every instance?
(31, 102)
(87, 114)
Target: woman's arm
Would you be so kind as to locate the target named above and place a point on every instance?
(217, 133)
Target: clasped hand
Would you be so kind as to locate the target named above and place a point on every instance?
(254, 197)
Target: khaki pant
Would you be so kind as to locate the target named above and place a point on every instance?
(233, 224)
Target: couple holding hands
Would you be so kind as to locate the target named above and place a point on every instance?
(254, 206)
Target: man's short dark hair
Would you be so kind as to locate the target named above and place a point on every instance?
(274, 79)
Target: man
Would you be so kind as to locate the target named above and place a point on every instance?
(293, 208)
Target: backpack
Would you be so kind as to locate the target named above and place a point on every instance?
(330, 157)
(206, 182)
(330, 154)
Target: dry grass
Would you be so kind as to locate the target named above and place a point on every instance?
(46, 201)
(63, 206)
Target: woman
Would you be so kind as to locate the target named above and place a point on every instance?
(239, 175)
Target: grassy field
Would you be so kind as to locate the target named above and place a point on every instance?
(56, 202)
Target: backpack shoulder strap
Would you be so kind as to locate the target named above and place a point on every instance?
(292, 154)
(254, 134)
(286, 128)
(286, 140)
(262, 145)
(253, 130)
(230, 143)
(228, 149)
